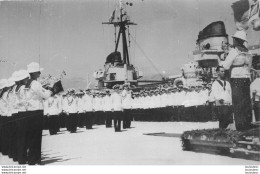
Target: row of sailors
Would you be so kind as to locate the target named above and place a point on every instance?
(95, 107)
(118, 100)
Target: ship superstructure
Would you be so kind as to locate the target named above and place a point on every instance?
(118, 68)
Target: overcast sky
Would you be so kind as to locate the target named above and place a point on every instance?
(68, 35)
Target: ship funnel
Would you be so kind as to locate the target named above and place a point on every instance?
(215, 29)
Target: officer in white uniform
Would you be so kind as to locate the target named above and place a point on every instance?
(35, 95)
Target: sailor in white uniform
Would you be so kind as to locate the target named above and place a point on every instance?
(81, 111)
(13, 113)
(126, 103)
(134, 105)
(97, 101)
(63, 114)
(181, 95)
(117, 109)
(72, 112)
(19, 105)
(4, 87)
(108, 109)
(35, 94)
(53, 110)
(174, 115)
(88, 106)
(222, 98)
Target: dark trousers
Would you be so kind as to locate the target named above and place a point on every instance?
(117, 116)
(137, 115)
(89, 119)
(62, 120)
(257, 110)
(22, 125)
(127, 118)
(34, 131)
(5, 135)
(53, 124)
(81, 120)
(72, 122)
(108, 116)
(45, 123)
(181, 113)
(224, 115)
(12, 151)
(241, 103)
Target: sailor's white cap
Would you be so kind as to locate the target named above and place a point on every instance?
(34, 67)
(10, 82)
(20, 75)
(240, 34)
(3, 83)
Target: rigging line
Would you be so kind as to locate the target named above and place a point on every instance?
(134, 45)
(39, 36)
(103, 35)
(129, 50)
(146, 56)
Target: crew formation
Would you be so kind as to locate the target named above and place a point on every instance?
(84, 108)
(26, 108)
(21, 111)
(73, 109)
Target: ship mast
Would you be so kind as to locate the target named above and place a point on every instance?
(122, 23)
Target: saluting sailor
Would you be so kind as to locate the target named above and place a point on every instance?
(35, 95)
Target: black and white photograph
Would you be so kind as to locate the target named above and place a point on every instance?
(129, 83)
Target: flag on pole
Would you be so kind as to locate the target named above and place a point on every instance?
(246, 12)
(112, 17)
